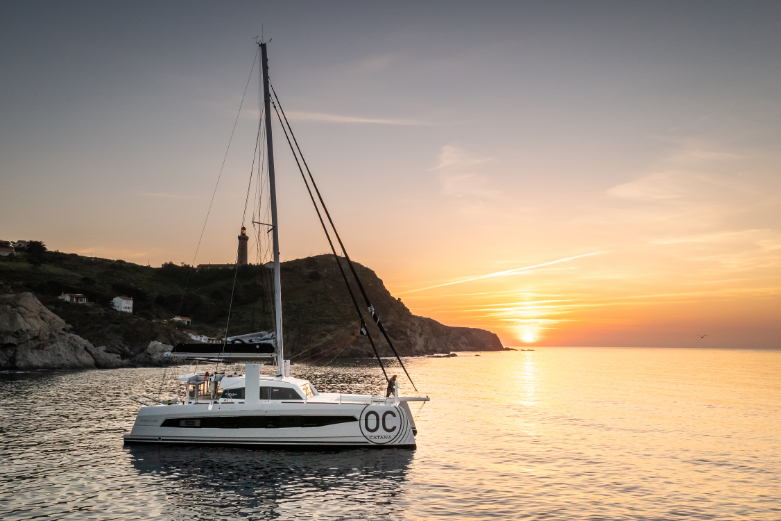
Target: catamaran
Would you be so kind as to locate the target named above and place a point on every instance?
(276, 410)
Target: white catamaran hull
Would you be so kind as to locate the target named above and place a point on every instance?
(286, 424)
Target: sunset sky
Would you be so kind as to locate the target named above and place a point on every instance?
(613, 166)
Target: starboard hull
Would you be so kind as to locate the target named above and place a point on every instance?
(284, 425)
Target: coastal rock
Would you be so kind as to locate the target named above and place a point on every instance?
(104, 359)
(154, 354)
(32, 337)
(67, 352)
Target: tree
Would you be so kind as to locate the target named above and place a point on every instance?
(36, 248)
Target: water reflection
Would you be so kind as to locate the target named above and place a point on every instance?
(565, 434)
(207, 482)
(528, 377)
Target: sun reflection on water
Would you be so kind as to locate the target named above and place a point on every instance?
(529, 380)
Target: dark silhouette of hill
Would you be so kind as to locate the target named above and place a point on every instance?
(319, 318)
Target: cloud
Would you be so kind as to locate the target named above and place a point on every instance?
(691, 149)
(674, 185)
(720, 237)
(168, 196)
(504, 273)
(456, 171)
(658, 186)
(334, 118)
(381, 62)
(453, 157)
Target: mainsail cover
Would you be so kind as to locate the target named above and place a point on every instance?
(236, 350)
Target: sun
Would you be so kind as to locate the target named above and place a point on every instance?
(528, 337)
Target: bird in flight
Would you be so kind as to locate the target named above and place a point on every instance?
(702, 336)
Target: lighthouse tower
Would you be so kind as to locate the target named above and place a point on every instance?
(243, 240)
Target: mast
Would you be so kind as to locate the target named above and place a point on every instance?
(274, 225)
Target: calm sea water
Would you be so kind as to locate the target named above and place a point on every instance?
(551, 434)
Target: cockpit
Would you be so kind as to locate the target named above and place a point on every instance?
(206, 387)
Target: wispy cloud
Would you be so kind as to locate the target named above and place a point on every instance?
(335, 118)
(504, 273)
(451, 156)
(457, 174)
(158, 195)
(730, 236)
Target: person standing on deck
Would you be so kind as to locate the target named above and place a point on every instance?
(391, 387)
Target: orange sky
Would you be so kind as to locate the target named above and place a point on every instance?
(450, 144)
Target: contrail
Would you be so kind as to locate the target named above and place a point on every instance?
(503, 273)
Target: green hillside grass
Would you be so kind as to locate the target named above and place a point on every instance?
(314, 304)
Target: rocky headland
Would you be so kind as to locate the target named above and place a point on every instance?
(38, 331)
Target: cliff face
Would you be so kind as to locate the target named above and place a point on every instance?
(317, 306)
(32, 337)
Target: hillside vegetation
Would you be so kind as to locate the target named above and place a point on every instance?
(319, 318)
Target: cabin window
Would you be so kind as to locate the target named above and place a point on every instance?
(279, 393)
(236, 393)
(266, 393)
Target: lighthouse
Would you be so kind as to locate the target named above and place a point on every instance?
(243, 240)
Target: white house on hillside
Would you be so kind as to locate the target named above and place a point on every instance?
(124, 304)
(184, 320)
(74, 298)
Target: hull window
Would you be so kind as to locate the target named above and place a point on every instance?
(257, 422)
(233, 394)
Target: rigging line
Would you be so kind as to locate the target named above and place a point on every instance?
(328, 336)
(260, 281)
(348, 344)
(236, 271)
(320, 355)
(328, 351)
(162, 383)
(165, 371)
(330, 243)
(344, 250)
(222, 168)
(260, 278)
(415, 416)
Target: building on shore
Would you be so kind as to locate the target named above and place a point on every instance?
(124, 304)
(73, 298)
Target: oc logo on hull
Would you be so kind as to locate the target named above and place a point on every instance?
(381, 425)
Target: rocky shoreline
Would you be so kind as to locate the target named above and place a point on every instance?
(32, 337)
